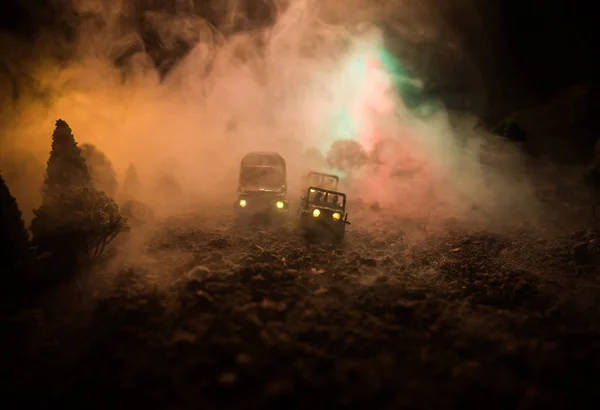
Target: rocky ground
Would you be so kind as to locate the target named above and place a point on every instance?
(202, 315)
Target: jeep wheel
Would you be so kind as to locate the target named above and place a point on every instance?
(338, 239)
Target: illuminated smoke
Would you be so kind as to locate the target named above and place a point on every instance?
(320, 73)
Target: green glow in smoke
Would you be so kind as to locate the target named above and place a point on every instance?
(355, 79)
(346, 126)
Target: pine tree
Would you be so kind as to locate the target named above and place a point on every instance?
(14, 238)
(131, 184)
(66, 168)
(74, 219)
(101, 171)
(66, 176)
(135, 210)
(22, 170)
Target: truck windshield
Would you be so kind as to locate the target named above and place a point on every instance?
(262, 177)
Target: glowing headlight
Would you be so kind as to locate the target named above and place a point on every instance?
(337, 216)
(312, 190)
(316, 213)
(279, 204)
(243, 203)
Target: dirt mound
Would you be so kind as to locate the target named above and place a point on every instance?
(261, 320)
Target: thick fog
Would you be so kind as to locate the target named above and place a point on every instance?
(277, 87)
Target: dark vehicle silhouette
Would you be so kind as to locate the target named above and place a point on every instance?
(323, 215)
(262, 187)
(320, 180)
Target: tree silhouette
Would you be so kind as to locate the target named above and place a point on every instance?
(75, 220)
(136, 211)
(14, 238)
(346, 156)
(101, 171)
(66, 167)
(131, 184)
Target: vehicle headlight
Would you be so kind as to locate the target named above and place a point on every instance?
(337, 216)
(312, 190)
(243, 203)
(316, 213)
(279, 204)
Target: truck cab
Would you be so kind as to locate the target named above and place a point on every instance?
(262, 186)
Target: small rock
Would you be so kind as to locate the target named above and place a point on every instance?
(368, 262)
(268, 304)
(591, 234)
(581, 253)
(215, 257)
(585, 270)
(111, 253)
(414, 295)
(243, 358)
(465, 367)
(227, 378)
(198, 272)
(265, 257)
(219, 243)
(248, 306)
(403, 311)
(203, 295)
(557, 310)
(184, 337)
(523, 289)
(194, 285)
(279, 387)
(382, 279)
(398, 256)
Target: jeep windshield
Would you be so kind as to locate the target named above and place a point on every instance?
(326, 200)
(323, 181)
(254, 178)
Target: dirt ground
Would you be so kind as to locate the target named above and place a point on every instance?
(204, 316)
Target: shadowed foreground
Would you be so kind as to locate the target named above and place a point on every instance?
(216, 318)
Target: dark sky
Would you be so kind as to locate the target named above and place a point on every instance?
(547, 45)
(552, 42)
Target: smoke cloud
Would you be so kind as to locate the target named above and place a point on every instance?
(240, 87)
